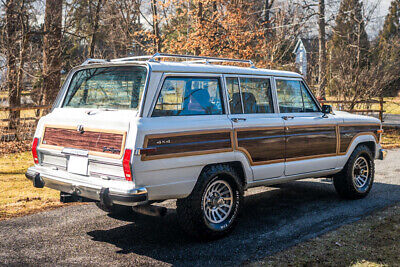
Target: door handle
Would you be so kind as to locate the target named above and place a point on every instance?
(238, 119)
(287, 118)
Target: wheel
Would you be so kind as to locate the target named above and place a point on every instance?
(211, 210)
(356, 179)
(115, 209)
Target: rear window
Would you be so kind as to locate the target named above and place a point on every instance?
(108, 87)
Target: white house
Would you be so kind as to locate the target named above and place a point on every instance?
(304, 50)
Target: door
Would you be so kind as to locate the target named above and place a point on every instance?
(187, 126)
(258, 129)
(311, 137)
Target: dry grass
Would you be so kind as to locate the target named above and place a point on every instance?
(391, 138)
(373, 241)
(17, 194)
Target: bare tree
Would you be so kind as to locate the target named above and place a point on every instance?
(12, 31)
(52, 50)
(322, 49)
(156, 29)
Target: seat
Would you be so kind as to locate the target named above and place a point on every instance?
(249, 103)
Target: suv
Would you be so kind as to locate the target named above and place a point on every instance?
(134, 131)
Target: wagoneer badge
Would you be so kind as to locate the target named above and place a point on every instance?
(111, 149)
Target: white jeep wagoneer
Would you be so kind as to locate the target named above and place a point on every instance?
(131, 132)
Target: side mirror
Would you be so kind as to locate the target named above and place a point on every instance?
(326, 109)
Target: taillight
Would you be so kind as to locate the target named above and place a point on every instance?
(126, 164)
(34, 150)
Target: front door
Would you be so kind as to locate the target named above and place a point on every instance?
(258, 129)
(311, 137)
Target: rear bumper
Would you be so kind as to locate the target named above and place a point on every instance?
(92, 188)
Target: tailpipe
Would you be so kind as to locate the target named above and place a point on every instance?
(150, 210)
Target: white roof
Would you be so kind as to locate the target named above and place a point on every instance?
(190, 67)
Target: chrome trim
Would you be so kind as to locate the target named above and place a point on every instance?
(91, 190)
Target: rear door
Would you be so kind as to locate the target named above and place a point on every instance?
(186, 128)
(258, 129)
(311, 138)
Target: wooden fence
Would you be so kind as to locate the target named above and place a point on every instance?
(339, 106)
(26, 125)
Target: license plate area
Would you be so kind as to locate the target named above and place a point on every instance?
(78, 165)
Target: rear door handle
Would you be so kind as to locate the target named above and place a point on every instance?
(287, 118)
(238, 119)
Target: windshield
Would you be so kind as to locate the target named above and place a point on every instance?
(108, 87)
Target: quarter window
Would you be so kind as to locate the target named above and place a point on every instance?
(186, 96)
(254, 93)
(293, 97)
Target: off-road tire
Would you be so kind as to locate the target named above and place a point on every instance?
(344, 181)
(191, 215)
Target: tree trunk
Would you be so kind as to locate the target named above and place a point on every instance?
(12, 29)
(52, 50)
(156, 31)
(322, 50)
(95, 27)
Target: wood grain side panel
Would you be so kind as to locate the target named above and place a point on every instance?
(310, 141)
(349, 132)
(263, 145)
(187, 144)
(104, 142)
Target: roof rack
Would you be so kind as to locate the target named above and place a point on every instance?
(94, 60)
(197, 59)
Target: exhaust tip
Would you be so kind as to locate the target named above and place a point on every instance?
(150, 210)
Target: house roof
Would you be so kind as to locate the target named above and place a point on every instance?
(311, 45)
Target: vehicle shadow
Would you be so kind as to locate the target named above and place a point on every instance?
(272, 219)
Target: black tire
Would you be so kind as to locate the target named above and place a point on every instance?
(192, 210)
(346, 183)
(115, 209)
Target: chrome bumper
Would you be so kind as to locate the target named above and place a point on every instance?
(382, 154)
(94, 191)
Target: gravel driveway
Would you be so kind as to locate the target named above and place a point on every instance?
(273, 219)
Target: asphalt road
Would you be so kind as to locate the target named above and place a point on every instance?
(273, 219)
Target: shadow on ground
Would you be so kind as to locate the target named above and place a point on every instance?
(270, 221)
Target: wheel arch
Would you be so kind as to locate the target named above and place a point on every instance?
(366, 139)
(236, 165)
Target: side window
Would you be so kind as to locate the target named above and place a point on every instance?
(293, 97)
(235, 102)
(256, 94)
(309, 103)
(184, 96)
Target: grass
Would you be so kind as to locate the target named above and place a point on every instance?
(17, 194)
(391, 138)
(373, 241)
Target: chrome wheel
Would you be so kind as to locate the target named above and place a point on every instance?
(360, 172)
(217, 201)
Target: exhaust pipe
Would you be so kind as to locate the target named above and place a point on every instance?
(150, 210)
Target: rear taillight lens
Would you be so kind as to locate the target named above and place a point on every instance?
(126, 164)
(34, 150)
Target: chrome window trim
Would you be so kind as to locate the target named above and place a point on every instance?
(196, 75)
(301, 80)
(272, 88)
(64, 88)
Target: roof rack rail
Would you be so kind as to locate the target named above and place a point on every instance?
(199, 59)
(94, 60)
